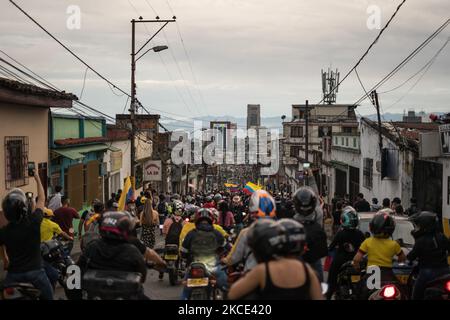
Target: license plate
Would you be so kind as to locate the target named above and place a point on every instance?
(199, 282)
(355, 278)
(403, 279)
(171, 257)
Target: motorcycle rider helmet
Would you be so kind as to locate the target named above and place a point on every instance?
(177, 207)
(305, 201)
(189, 199)
(382, 224)
(424, 222)
(204, 214)
(217, 197)
(266, 239)
(15, 205)
(116, 225)
(349, 218)
(175, 196)
(208, 199)
(262, 204)
(48, 213)
(215, 214)
(295, 240)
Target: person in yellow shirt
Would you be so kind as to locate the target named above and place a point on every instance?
(49, 229)
(380, 249)
(190, 225)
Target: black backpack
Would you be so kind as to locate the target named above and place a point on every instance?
(162, 210)
(316, 241)
(173, 234)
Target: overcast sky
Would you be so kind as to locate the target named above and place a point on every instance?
(242, 51)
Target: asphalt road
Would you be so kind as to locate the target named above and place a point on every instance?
(153, 287)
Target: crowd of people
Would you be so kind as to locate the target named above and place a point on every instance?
(279, 239)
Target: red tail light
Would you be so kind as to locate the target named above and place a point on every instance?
(389, 292)
(197, 273)
(187, 219)
(447, 286)
(9, 291)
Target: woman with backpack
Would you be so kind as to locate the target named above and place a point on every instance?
(226, 217)
(149, 221)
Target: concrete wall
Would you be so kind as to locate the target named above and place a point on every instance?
(32, 122)
(124, 172)
(386, 188)
(445, 191)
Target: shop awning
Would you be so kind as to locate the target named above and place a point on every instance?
(78, 152)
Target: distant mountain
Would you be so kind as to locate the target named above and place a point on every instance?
(268, 122)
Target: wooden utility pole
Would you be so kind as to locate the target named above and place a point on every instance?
(133, 106)
(307, 132)
(375, 101)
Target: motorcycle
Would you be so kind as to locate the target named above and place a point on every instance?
(438, 289)
(55, 253)
(348, 279)
(172, 260)
(202, 283)
(111, 285)
(19, 291)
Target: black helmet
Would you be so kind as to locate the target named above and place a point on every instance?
(295, 236)
(424, 222)
(204, 214)
(116, 225)
(305, 201)
(349, 218)
(266, 239)
(382, 224)
(15, 205)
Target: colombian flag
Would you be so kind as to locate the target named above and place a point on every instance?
(127, 193)
(251, 187)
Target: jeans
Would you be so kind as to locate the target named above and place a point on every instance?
(51, 273)
(221, 281)
(38, 278)
(318, 268)
(426, 275)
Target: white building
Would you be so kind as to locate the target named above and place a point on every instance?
(399, 169)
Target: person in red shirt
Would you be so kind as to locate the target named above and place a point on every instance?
(209, 203)
(64, 217)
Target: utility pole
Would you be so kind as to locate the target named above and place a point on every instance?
(307, 132)
(133, 106)
(377, 106)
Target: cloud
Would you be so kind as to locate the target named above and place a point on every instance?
(242, 51)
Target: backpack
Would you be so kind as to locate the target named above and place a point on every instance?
(316, 241)
(92, 233)
(204, 244)
(173, 234)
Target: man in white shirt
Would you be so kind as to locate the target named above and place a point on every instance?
(55, 201)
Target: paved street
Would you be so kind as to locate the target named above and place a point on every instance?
(154, 288)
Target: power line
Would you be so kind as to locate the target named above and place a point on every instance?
(430, 62)
(366, 52)
(406, 60)
(67, 49)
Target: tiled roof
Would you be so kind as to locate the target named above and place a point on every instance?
(74, 141)
(35, 90)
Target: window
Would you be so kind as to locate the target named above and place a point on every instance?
(354, 143)
(368, 173)
(335, 141)
(295, 151)
(16, 160)
(347, 130)
(324, 131)
(297, 132)
(342, 141)
(346, 142)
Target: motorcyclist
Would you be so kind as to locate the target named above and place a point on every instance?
(209, 203)
(380, 249)
(237, 207)
(309, 213)
(226, 217)
(347, 240)
(279, 274)
(431, 248)
(20, 239)
(261, 206)
(203, 244)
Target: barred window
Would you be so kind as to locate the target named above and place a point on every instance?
(16, 159)
(368, 173)
(296, 132)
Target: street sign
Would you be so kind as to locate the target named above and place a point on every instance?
(152, 170)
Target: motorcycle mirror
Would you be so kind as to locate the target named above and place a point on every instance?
(324, 287)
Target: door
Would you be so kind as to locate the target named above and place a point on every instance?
(75, 185)
(353, 182)
(340, 183)
(42, 171)
(93, 184)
